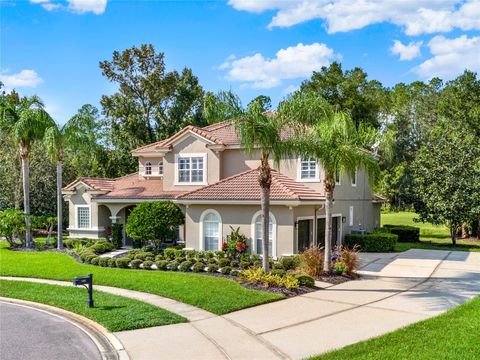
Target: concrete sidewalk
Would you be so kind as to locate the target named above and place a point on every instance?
(395, 290)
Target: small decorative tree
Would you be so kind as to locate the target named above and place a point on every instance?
(154, 221)
(12, 225)
(117, 235)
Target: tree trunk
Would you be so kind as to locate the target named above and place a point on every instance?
(265, 180)
(329, 188)
(59, 206)
(26, 194)
(476, 228)
(453, 234)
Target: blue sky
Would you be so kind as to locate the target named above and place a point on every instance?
(52, 47)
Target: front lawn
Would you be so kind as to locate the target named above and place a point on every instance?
(214, 294)
(453, 335)
(435, 237)
(115, 313)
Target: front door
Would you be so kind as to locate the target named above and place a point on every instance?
(304, 228)
(321, 231)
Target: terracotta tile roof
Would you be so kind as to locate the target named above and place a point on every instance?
(244, 186)
(134, 186)
(100, 184)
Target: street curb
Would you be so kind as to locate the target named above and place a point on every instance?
(107, 343)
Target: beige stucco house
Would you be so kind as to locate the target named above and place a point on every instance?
(205, 171)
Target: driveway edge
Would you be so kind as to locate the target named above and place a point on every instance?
(107, 343)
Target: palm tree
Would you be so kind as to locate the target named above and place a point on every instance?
(56, 139)
(332, 139)
(26, 119)
(260, 132)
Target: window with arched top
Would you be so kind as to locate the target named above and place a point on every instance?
(211, 224)
(148, 168)
(258, 234)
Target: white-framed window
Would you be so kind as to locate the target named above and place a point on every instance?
(338, 179)
(258, 233)
(160, 167)
(148, 168)
(211, 233)
(308, 170)
(83, 216)
(354, 179)
(191, 169)
(350, 216)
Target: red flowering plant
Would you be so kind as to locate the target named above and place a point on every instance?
(235, 244)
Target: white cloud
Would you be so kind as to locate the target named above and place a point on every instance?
(290, 89)
(25, 78)
(290, 63)
(406, 52)
(84, 6)
(451, 57)
(76, 6)
(415, 16)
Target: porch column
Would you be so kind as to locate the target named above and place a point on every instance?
(114, 219)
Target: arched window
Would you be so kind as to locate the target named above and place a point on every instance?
(211, 231)
(258, 234)
(160, 167)
(148, 168)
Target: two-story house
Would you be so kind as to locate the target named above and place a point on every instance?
(207, 173)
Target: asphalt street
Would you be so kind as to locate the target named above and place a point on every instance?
(29, 334)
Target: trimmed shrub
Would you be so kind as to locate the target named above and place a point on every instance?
(305, 280)
(257, 264)
(213, 261)
(290, 262)
(103, 261)
(162, 265)
(173, 265)
(373, 242)
(147, 265)
(212, 268)
(150, 258)
(112, 262)
(122, 262)
(198, 267)
(185, 266)
(179, 254)
(226, 270)
(95, 260)
(136, 263)
(101, 246)
(234, 272)
(132, 253)
(256, 257)
(245, 264)
(277, 266)
(223, 262)
(234, 263)
(405, 233)
(190, 254)
(257, 276)
(169, 253)
(278, 272)
(159, 258)
(89, 258)
(145, 256)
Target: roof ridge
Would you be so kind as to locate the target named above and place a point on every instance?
(218, 182)
(277, 177)
(124, 176)
(218, 125)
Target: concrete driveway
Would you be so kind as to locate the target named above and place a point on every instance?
(395, 290)
(30, 334)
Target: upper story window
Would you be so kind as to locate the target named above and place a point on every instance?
(191, 168)
(338, 178)
(83, 217)
(308, 170)
(354, 179)
(160, 168)
(148, 168)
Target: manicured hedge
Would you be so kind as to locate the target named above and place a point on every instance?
(405, 233)
(373, 242)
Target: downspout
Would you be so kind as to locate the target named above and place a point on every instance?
(315, 240)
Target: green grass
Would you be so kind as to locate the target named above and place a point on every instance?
(435, 237)
(214, 294)
(115, 313)
(452, 335)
